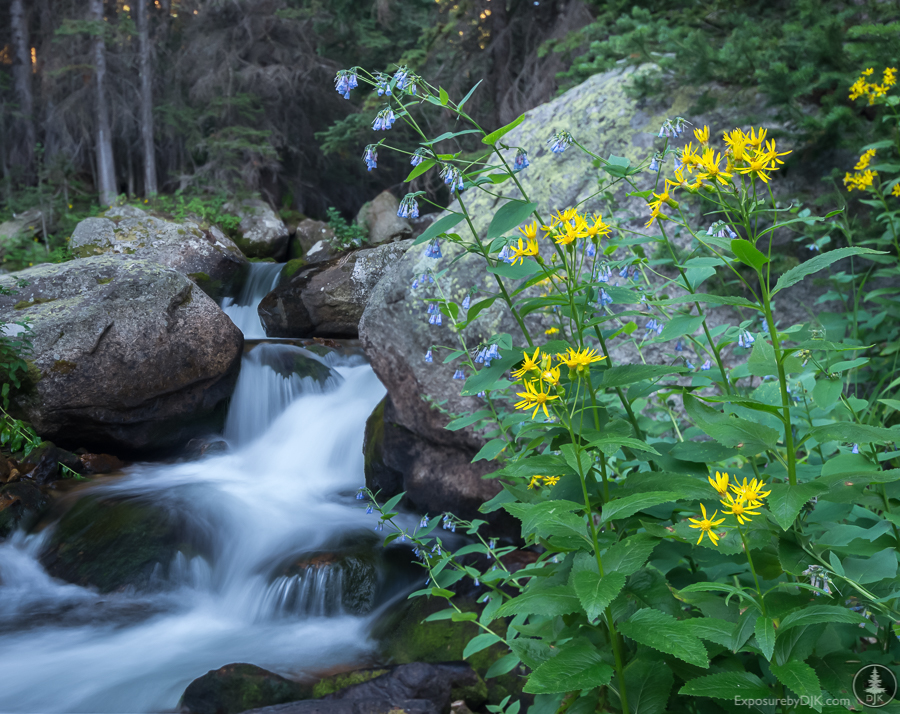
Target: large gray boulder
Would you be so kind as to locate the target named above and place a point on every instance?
(132, 355)
(204, 254)
(380, 218)
(262, 233)
(327, 299)
(310, 232)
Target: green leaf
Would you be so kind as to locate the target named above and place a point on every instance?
(734, 432)
(464, 617)
(420, 169)
(510, 215)
(853, 433)
(611, 445)
(480, 642)
(728, 685)
(491, 138)
(664, 633)
(626, 374)
(467, 420)
(765, 636)
(801, 678)
(441, 592)
(711, 628)
(502, 666)
(577, 666)
(701, 452)
(629, 555)
(819, 615)
(596, 592)
(556, 600)
(444, 96)
(490, 450)
(469, 94)
(786, 500)
(748, 254)
(870, 570)
(629, 505)
(486, 378)
(680, 326)
(441, 225)
(648, 683)
(826, 392)
(525, 269)
(703, 297)
(478, 307)
(819, 262)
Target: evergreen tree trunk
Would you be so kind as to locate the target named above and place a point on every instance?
(150, 187)
(22, 71)
(106, 168)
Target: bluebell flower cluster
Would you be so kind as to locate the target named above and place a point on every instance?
(384, 120)
(745, 339)
(433, 251)
(605, 298)
(424, 522)
(403, 80)
(486, 354)
(604, 273)
(418, 157)
(521, 160)
(720, 229)
(672, 127)
(679, 347)
(459, 374)
(360, 493)
(504, 255)
(657, 161)
(706, 366)
(654, 326)
(812, 247)
(370, 156)
(677, 163)
(409, 208)
(467, 300)
(591, 250)
(382, 85)
(344, 81)
(452, 177)
(560, 141)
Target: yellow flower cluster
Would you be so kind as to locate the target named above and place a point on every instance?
(544, 375)
(896, 190)
(703, 167)
(545, 480)
(565, 228)
(862, 87)
(738, 500)
(862, 177)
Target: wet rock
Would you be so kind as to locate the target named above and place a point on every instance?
(380, 218)
(21, 505)
(5, 468)
(320, 252)
(238, 687)
(203, 253)
(132, 356)
(101, 463)
(262, 233)
(111, 544)
(42, 465)
(328, 299)
(292, 361)
(310, 232)
(205, 446)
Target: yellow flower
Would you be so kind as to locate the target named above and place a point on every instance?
(889, 77)
(860, 181)
(598, 228)
(529, 248)
(896, 190)
(739, 509)
(865, 160)
(868, 72)
(551, 480)
(580, 360)
(736, 141)
(535, 396)
(756, 140)
(551, 376)
(535, 481)
(530, 364)
(858, 88)
(720, 484)
(689, 157)
(706, 525)
(655, 215)
(702, 135)
(709, 164)
(568, 233)
(758, 164)
(552, 331)
(529, 231)
(752, 493)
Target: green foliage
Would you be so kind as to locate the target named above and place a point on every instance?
(346, 235)
(677, 560)
(15, 348)
(187, 205)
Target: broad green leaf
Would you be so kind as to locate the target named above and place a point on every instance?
(444, 96)
(648, 683)
(464, 617)
(728, 685)
(734, 432)
(629, 555)
(502, 131)
(441, 225)
(844, 534)
(502, 666)
(532, 652)
(680, 326)
(801, 678)
(853, 433)
(577, 666)
(702, 452)
(870, 570)
(486, 378)
(786, 500)
(525, 269)
(689, 487)
(629, 505)
(626, 374)
(467, 420)
(480, 642)
(818, 615)
(491, 450)
(510, 215)
(743, 630)
(441, 592)
(819, 262)
(664, 633)
(596, 592)
(420, 169)
(704, 298)
(765, 636)
(748, 254)
(556, 600)
(478, 307)
(826, 392)
(711, 628)
(611, 445)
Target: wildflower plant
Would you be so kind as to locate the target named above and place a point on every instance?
(681, 558)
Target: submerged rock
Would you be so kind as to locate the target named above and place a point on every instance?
(327, 299)
(203, 253)
(238, 687)
(131, 356)
(262, 233)
(21, 505)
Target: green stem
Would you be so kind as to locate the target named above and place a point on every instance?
(762, 602)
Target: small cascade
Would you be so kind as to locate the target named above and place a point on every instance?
(261, 280)
(316, 592)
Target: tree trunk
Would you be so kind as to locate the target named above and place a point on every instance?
(106, 168)
(145, 69)
(22, 71)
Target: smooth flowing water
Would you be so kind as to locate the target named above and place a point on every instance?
(286, 487)
(261, 280)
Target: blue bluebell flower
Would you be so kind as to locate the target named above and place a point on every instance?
(650, 326)
(605, 298)
(521, 160)
(431, 277)
(459, 374)
(429, 357)
(504, 255)
(560, 141)
(370, 156)
(433, 251)
(689, 364)
(591, 250)
(678, 163)
(431, 319)
(452, 177)
(656, 162)
(482, 395)
(623, 273)
(432, 308)
(344, 81)
(678, 346)
(418, 157)
(659, 328)
(467, 300)
(409, 208)
(401, 78)
(424, 522)
(369, 509)
(494, 352)
(415, 283)
(706, 366)
(384, 120)
(438, 319)
(745, 339)
(360, 494)
(812, 247)
(477, 583)
(479, 358)
(855, 449)
(379, 526)
(382, 85)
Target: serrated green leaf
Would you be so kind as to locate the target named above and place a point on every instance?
(727, 685)
(610, 446)
(680, 326)
(629, 505)
(629, 555)
(826, 392)
(817, 615)
(765, 636)
(648, 683)
(734, 432)
(577, 666)
(556, 600)
(801, 678)
(664, 633)
(853, 433)
(819, 262)
(880, 566)
(626, 374)
(786, 500)
(596, 592)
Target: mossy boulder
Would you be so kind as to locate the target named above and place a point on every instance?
(261, 233)
(111, 544)
(238, 687)
(290, 269)
(202, 253)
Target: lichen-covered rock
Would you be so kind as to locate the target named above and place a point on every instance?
(328, 299)
(238, 687)
(203, 253)
(310, 232)
(131, 355)
(380, 218)
(261, 233)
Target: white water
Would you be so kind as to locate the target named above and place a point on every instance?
(287, 487)
(261, 280)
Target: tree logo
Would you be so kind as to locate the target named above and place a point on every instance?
(874, 685)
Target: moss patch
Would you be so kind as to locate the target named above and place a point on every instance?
(330, 685)
(63, 366)
(290, 268)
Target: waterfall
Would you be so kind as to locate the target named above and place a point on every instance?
(285, 488)
(261, 280)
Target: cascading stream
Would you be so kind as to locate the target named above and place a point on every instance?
(286, 487)
(261, 280)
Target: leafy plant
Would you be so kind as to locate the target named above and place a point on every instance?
(742, 549)
(15, 347)
(346, 235)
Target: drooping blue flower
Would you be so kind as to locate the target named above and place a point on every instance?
(360, 494)
(659, 328)
(477, 583)
(812, 247)
(678, 346)
(459, 374)
(623, 273)
(382, 85)
(437, 319)
(409, 208)
(689, 364)
(504, 255)
(855, 449)
(344, 81)
(706, 366)
(401, 78)
(650, 327)
(432, 308)
(482, 395)
(429, 357)
(678, 163)
(467, 300)
(656, 162)
(560, 141)
(369, 509)
(418, 157)
(384, 120)
(479, 358)
(494, 352)
(521, 160)
(379, 526)
(424, 522)
(415, 283)
(591, 250)
(431, 319)
(433, 251)
(452, 177)
(605, 298)
(370, 156)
